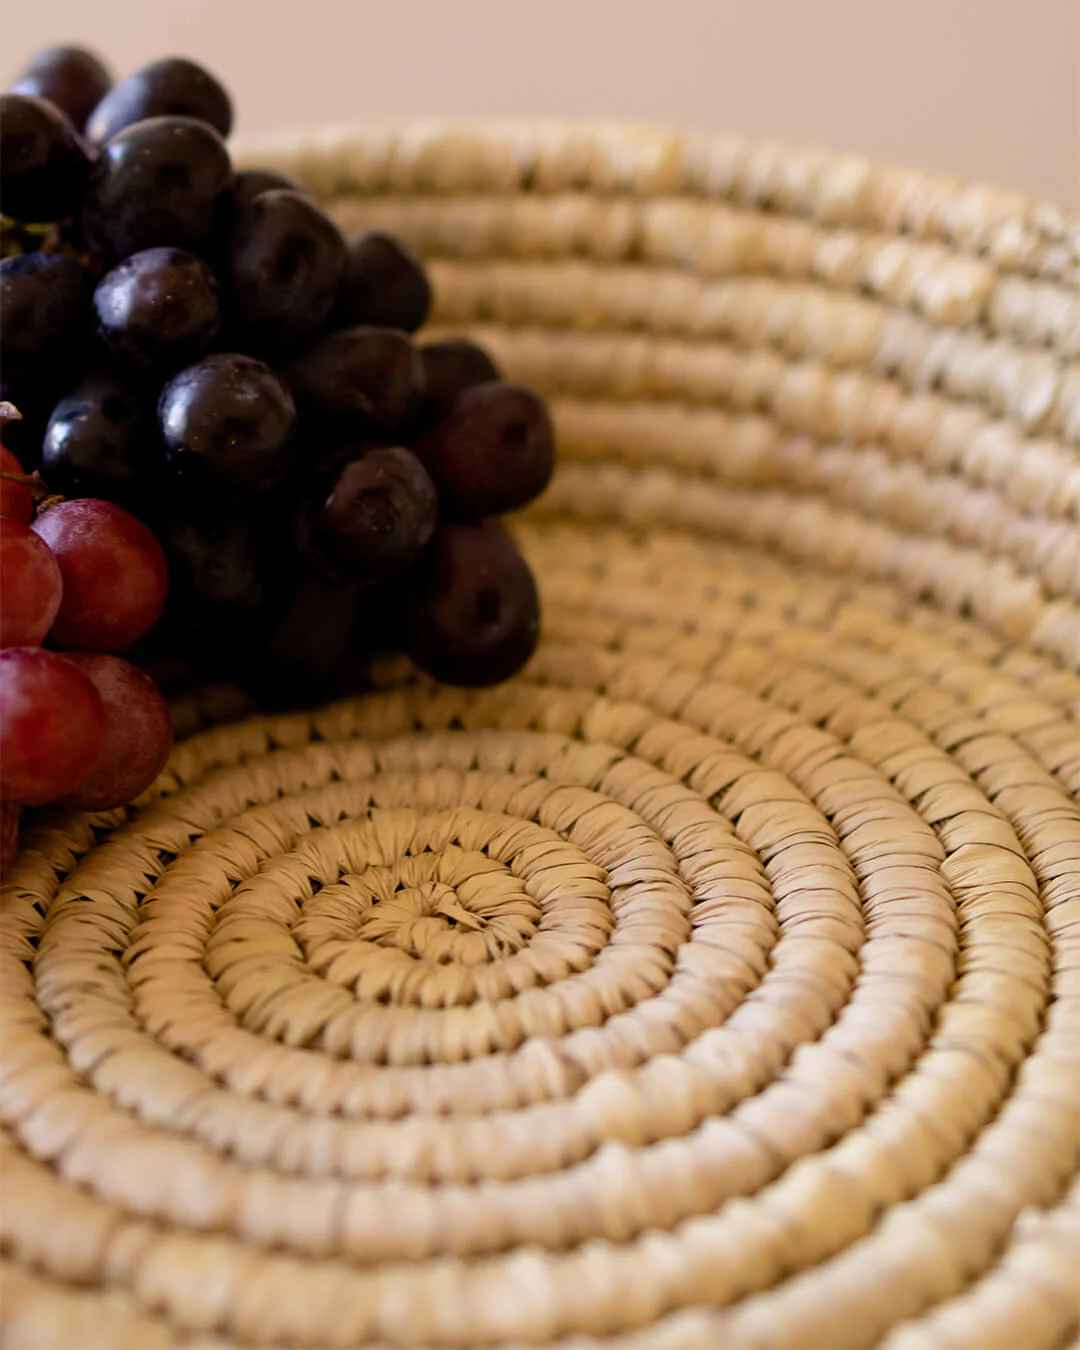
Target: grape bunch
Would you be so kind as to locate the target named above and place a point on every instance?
(78, 726)
(201, 347)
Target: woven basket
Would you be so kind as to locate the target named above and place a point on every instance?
(717, 982)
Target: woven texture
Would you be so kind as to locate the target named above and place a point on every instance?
(717, 981)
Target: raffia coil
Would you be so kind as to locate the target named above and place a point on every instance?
(716, 982)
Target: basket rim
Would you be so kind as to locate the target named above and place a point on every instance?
(1056, 220)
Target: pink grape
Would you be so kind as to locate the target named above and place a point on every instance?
(16, 500)
(138, 733)
(52, 725)
(9, 835)
(30, 585)
(114, 571)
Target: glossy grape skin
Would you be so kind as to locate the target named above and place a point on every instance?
(31, 584)
(379, 515)
(227, 421)
(172, 87)
(9, 834)
(383, 285)
(362, 378)
(52, 725)
(250, 183)
(449, 369)
(158, 309)
(285, 263)
(161, 182)
(493, 452)
(474, 617)
(43, 162)
(138, 733)
(16, 501)
(43, 310)
(102, 441)
(114, 572)
(71, 78)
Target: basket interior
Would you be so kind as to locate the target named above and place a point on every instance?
(717, 980)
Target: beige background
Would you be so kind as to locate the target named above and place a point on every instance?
(984, 88)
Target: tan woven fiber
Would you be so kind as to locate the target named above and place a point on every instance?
(715, 983)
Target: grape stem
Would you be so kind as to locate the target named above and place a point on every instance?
(33, 483)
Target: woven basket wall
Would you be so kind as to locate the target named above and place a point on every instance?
(717, 982)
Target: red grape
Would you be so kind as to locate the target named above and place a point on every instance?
(138, 733)
(114, 571)
(9, 834)
(16, 499)
(52, 725)
(30, 585)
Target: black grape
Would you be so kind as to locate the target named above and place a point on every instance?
(173, 87)
(71, 78)
(249, 183)
(493, 452)
(304, 657)
(450, 368)
(227, 421)
(43, 162)
(378, 516)
(158, 309)
(159, 182)
(226, 587)
(474, 616)
(365, 378)
(284, 267)
(102, 441)
(44, 310)
(383, 285)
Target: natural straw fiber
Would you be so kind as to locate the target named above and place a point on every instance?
(716, 983)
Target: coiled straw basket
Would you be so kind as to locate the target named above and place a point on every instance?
(717, 982)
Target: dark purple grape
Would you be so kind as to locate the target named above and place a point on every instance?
(449, 369)
(364, 378)
(216, 567)
(173, 87)
(325, 452)
(159, 182)
(158, 309)
(43, 162)
(44, 310)
(383, 285)
(230, 577)
(249, 183)
(102, 441)
(378, 517)
(304, 657)
(71, 78)
(284, 268)
(474, 617)
(493, 452)
(227, 421)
